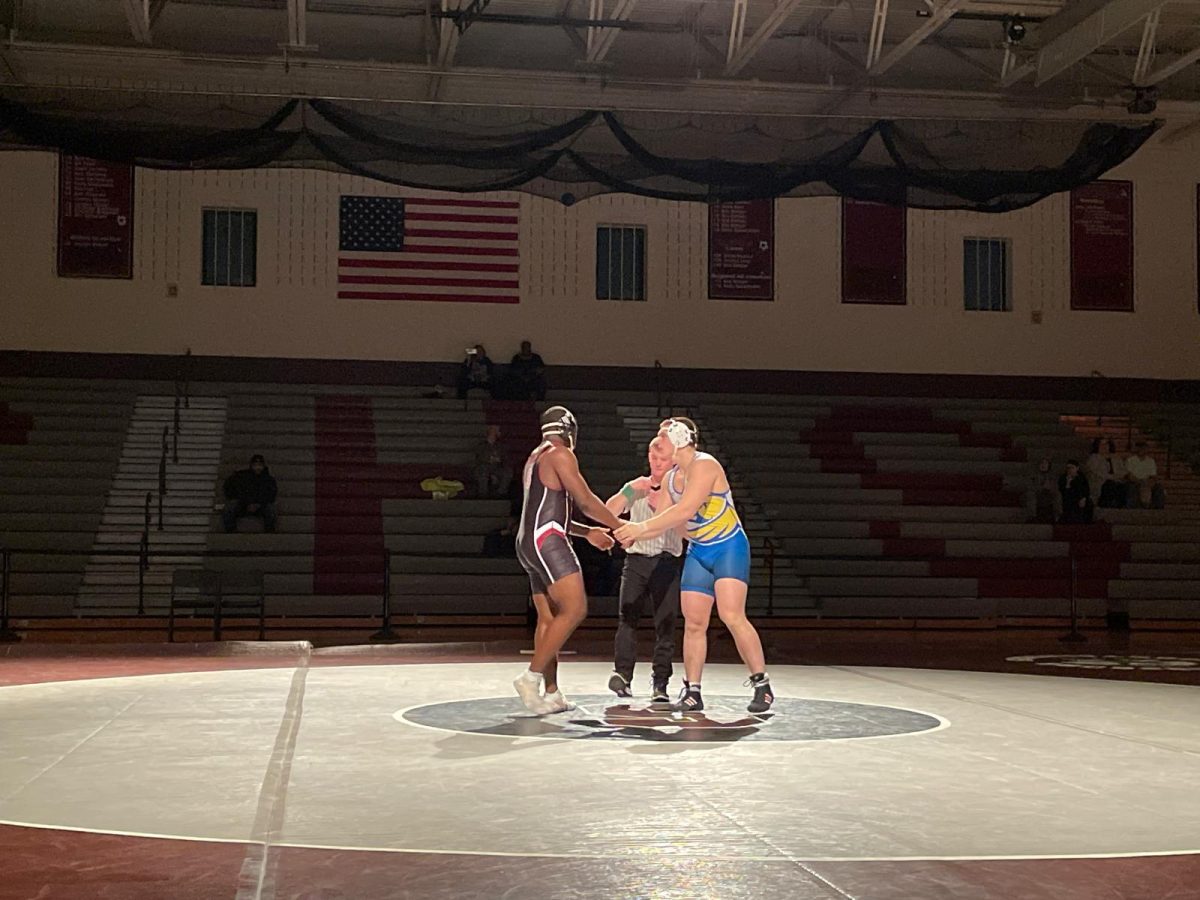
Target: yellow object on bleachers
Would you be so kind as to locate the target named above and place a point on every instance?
(442, 488)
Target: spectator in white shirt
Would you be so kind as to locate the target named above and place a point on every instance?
(1106, 474)
(1142, 490)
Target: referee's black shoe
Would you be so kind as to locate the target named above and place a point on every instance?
(619, 685)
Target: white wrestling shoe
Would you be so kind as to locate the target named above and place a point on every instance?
(529, 689)
(559, 702)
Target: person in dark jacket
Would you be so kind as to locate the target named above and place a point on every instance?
(527, 374)
(250, 492)
(1076, 495)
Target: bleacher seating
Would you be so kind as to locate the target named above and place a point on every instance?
(917, 508)
(876, 507)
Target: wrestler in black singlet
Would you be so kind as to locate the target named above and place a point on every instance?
(543, 547)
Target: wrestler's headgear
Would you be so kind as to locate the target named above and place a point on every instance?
(560, 421)
(682, 432)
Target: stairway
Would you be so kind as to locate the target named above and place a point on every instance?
(110, 584)
(785, 586)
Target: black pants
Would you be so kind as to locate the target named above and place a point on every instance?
(654, 578)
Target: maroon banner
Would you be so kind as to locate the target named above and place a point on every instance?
(1102, 246)
(874, 252)
(741, 250)
(95, 218)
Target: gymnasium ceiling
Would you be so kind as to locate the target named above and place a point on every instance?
(1078, 59)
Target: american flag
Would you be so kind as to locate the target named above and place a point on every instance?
(417, 248)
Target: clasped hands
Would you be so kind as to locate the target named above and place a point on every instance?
(603, 539)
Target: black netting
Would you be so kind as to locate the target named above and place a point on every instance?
(991, 166)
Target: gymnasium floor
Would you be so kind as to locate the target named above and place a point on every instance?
(893, 766)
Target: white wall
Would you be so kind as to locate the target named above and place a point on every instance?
(294, 311)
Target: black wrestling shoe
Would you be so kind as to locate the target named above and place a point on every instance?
(763, 695)
(658, 693)
(618, 684)
(689, 700)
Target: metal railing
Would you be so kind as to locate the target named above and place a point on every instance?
(162, 478)
(182, 379)
(7, 635)
(143, 558)
(770, 547)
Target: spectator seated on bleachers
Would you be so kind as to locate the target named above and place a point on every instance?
(1142, 490)
(1043, 493)
(502, 541)
(492, 473)
(250, 492)
(1076, 495)
(526, 375)
(1105, 473)
(476, 373)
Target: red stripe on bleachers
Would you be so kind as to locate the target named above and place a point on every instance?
(922, 413)
(930, 497)
(520, 427)
(847, 466)
(14, 427)
(814, 436)
(985, 439)
(897, 426)
(914, 547)
(883, 530)
(933, 481)
(836, 451)
(350, 485)
(1096, 531)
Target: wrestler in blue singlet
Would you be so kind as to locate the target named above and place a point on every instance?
(717, 543)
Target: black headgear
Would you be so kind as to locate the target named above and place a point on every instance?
(560, 421)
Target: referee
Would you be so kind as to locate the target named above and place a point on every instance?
(651, 573)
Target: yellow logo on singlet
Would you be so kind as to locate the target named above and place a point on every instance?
(714, 521)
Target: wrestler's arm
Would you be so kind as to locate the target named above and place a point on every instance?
(700, 481)
(566, 467)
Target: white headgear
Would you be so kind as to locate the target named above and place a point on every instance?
(680, 434)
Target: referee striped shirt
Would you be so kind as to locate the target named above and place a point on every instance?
(667, 542)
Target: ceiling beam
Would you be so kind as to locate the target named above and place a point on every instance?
(448, 36)
(938, 17)
(600, 40)
(141, 15)
(1171, 68)
(1094, 31)
(878, 25)
(1148, 46)
(1177, 65)
(297, 23)
(962, 55)
(571, 32)
(49, 69)
(775, 18)
(737, 30)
